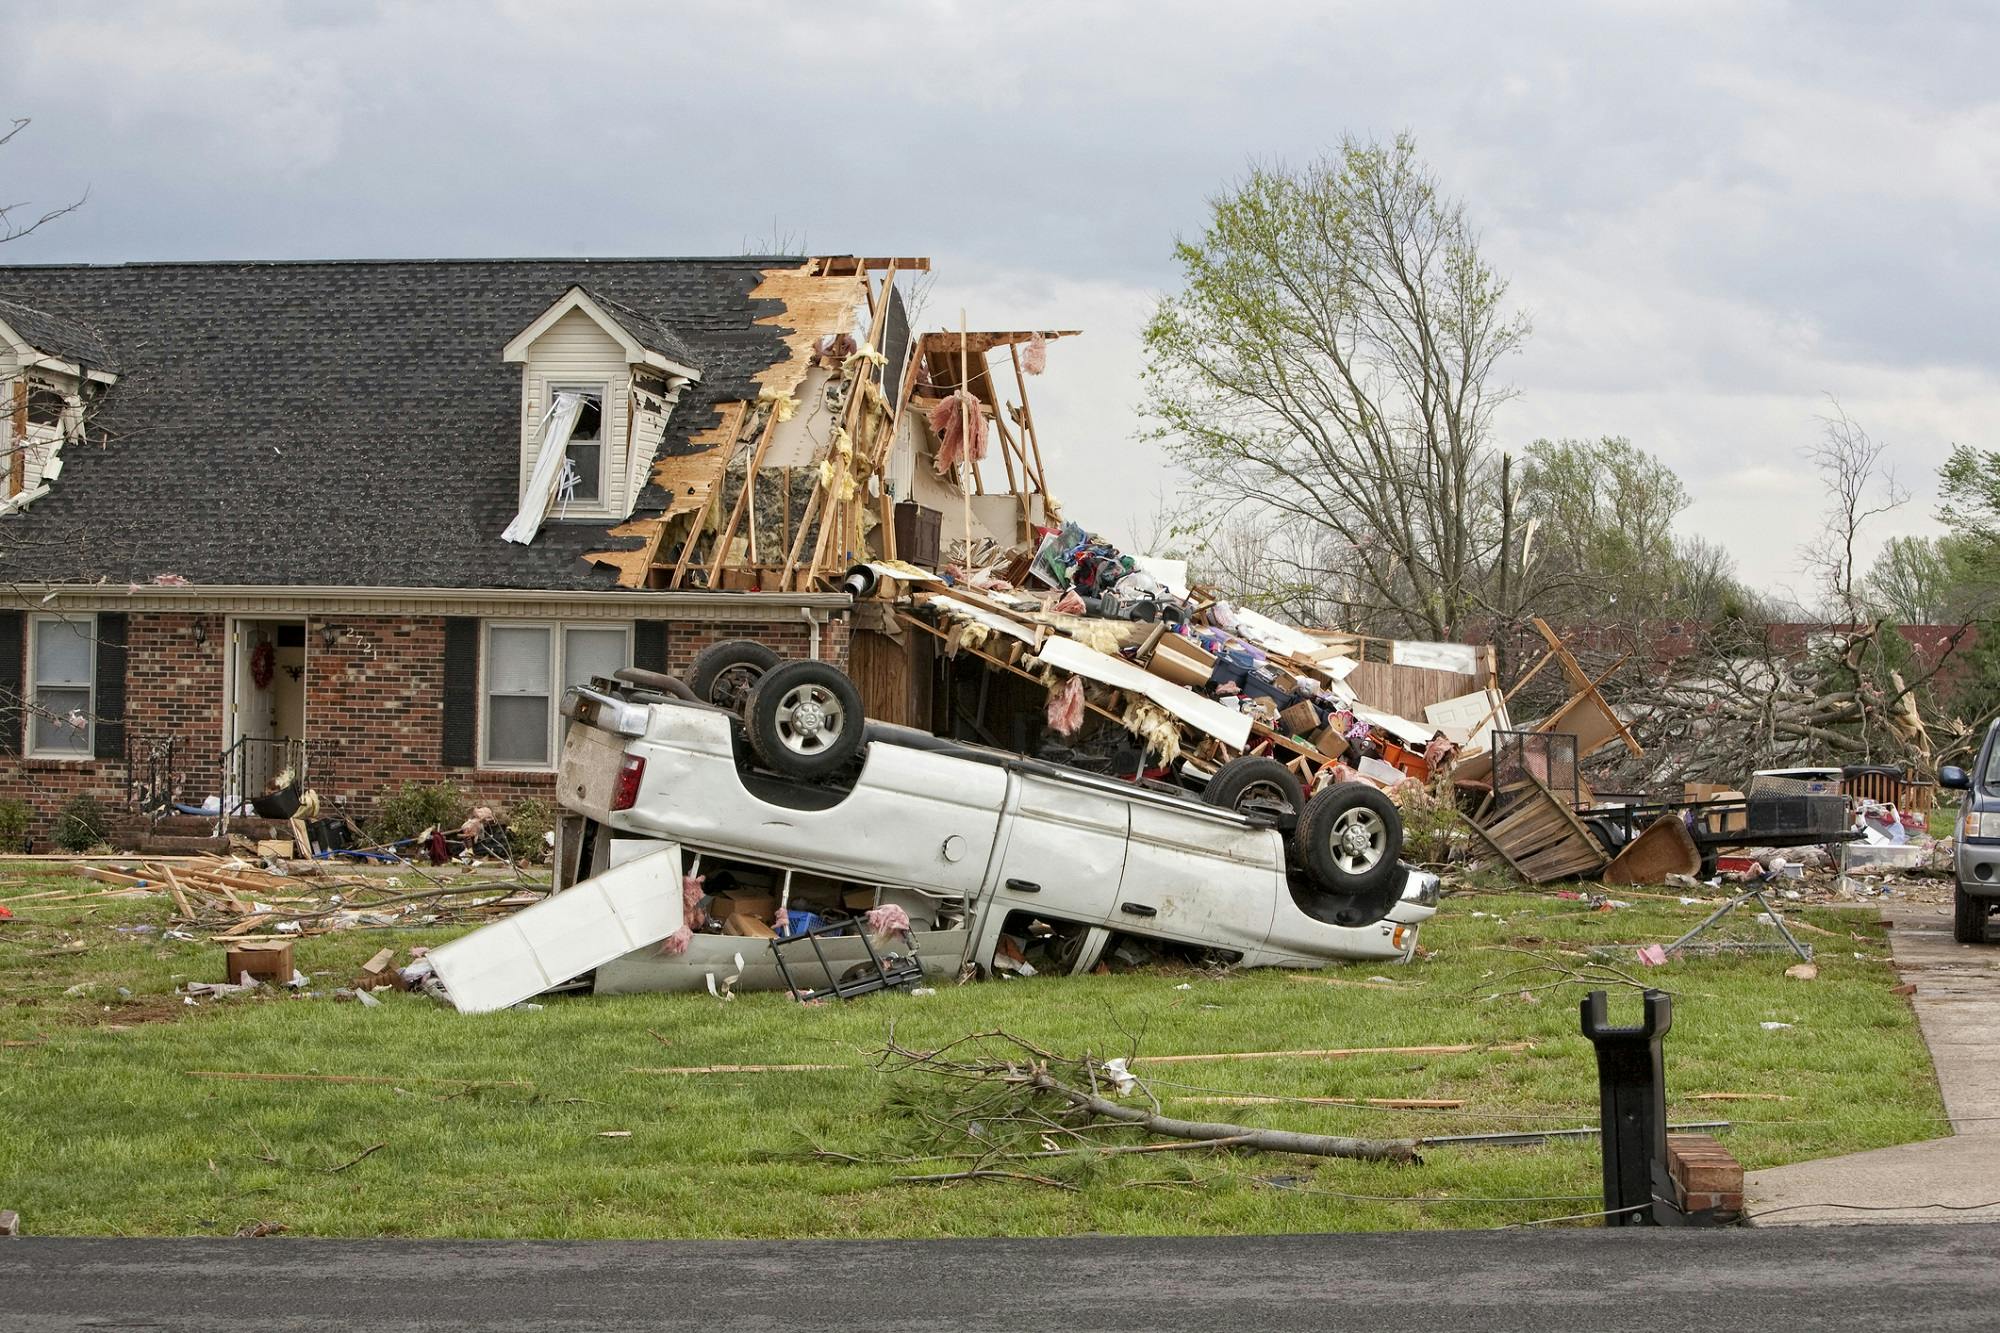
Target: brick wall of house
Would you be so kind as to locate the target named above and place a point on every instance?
(374, 699)
(172, 688)
(791, 638)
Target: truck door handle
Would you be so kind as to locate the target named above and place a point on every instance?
(1024, 886)
(1138, 909)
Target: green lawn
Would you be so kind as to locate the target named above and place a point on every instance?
(493, 1126)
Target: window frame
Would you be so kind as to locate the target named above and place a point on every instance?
(31, 676)
(558, 663)
(601, 390)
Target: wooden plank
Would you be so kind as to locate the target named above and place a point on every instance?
(1337, 1053)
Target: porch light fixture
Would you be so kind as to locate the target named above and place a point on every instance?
(199, 633)
(329, 635)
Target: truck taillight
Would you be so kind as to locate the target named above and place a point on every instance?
(625, 792)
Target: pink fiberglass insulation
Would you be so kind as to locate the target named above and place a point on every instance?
(1065, 714)
(1035, 358)
(887, 919)
(949, 419)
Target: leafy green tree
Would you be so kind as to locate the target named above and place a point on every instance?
(1330, 360)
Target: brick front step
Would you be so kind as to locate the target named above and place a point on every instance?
(1707, 1177)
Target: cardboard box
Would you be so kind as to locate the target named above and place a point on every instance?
(269, 961)
(1330, 742)
(1301, 719)
(754, 927)
(725, 905)
(1182, 661)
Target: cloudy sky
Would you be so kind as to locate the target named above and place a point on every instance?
(1716, 214)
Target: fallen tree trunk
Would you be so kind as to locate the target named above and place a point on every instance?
(1263, 1140)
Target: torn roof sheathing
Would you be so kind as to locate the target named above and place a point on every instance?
(815, 304)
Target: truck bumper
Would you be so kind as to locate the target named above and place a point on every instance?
(1979, 867)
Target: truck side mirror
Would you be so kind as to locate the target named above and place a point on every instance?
(1951, 775)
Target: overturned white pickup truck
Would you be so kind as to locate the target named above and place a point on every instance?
(802, 802)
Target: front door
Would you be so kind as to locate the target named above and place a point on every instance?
(267, 705)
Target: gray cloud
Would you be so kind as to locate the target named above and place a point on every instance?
(1715, 211)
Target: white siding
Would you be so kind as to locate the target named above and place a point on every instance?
(577, 350)
(9, 370)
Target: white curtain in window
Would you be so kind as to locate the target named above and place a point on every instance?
(62, 686)
(591, 652)
(517, 696)
(541, 491)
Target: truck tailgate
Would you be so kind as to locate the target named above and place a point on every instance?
(587, 925)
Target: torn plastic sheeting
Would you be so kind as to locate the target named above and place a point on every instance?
(1225, 724)
(1273, 634)
(557, 427)
(980, 615)
(607, 916)
(1171, 574)
(1461, 658)
(904, 570)
(1400, 727)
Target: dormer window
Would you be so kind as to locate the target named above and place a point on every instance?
(627, 368)
(47, 403)
(51, 371)
(586, 444)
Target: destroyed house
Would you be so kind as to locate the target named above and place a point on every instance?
(364, 521)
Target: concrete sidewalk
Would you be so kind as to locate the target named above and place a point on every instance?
(1958, 1009)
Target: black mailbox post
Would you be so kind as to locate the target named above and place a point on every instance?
(1632, 1095)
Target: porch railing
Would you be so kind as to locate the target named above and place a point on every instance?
(152, 775)
(279, 769)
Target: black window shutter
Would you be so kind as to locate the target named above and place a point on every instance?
(109, 704)
(461, 691)
(649, 645)
(12, 673)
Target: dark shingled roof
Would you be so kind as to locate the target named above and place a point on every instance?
(346, 423)
(649, 332)
(52, 335)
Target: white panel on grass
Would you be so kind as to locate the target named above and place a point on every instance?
(627, 907)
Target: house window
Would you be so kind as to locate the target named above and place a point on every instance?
(586, 442)
(528, 666)
(62, 657)
(46, 404)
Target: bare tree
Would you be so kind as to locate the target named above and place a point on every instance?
(1860, 485)
(19, 219)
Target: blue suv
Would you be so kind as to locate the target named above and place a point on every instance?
(1977, 864)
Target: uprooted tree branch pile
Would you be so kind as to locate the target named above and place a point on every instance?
(991, 1101)
(1766, 696)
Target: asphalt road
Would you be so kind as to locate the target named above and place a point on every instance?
(1862, 1277)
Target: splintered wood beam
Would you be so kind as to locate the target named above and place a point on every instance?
(745, 498)
(1028, 420)
(733, 422)
(833, 527)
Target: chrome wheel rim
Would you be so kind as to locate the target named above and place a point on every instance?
(1358, 839)
(809, 719)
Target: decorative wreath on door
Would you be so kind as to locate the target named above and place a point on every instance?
(263, 663)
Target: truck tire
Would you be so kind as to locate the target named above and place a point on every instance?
(1253, 784)
(725, 673)
(1968, 916)
(1349, 841)
(804, 720)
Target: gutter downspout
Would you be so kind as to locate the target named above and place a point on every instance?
(814, 622)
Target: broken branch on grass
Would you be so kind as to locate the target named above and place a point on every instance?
(985, 1173)
(365, 1153)
(1074, 1084)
